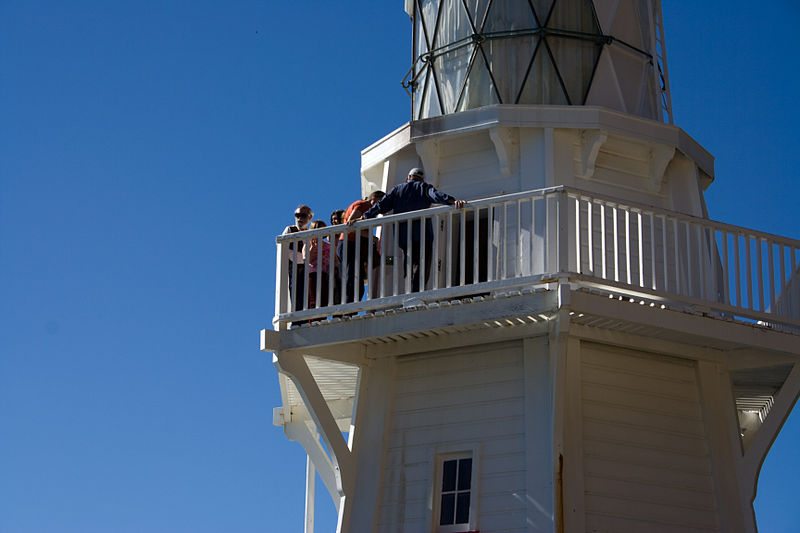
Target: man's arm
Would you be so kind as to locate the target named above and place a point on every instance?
(440, 197)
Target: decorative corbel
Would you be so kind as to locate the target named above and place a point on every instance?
(428, 152)
(506, 144)
(591, 142)
(660, 156)
(295, 366)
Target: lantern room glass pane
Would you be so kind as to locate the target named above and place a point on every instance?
(505, 15)
(477, 10)
(542, 8)
(430, 104)
(421, 43)
(479, 90)
(575, 60)
(419, 92)
(430, 9)
(573, 16)
(508, 60)
(542, 85)
(451, 68)
(454, 24)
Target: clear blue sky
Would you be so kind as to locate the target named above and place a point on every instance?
(149, 153)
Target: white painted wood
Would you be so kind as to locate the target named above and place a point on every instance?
(369, 441)
(454, 399)
(296, 367)
(645, 452)
(311, 478)
(301, 433)
(721, 427)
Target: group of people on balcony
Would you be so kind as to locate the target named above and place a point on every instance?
(317, 257)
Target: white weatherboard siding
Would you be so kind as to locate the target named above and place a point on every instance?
(454, 401)
(646, 462)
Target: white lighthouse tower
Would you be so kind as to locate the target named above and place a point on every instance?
(589, 350)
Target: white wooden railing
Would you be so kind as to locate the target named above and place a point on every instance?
(539, 236)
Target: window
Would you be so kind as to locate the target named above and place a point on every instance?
(454, 493)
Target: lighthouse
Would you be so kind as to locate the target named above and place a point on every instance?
(590, 350)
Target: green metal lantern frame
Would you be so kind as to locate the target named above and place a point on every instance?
(431, 60)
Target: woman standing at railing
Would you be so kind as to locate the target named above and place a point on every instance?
(318, 261)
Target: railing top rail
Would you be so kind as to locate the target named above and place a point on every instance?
(431, 211)
(607, 200)
(730, 228)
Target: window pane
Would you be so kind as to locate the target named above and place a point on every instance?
(507, 15)
(462, 508)
(479, 90)
(449, 475)
(509, 59)
(448, 509)
(451, 68)
(575, 60)
(542, 85)
(464, 474)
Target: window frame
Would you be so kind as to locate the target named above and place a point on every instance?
(449, 454)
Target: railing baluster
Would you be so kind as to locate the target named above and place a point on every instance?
(449, 242)
(563, 228)
(370, 266)
(504, 274)
(306, 246)
(664, 251)
(628, 244)
(423, 256)
(589, 239)
(320, 274)
(616, 244)
(331, 268)
(641, 247)
(461, 248)
(382, 268)
(737, 269)
(749, 259)
(690, 286)
(436, 262)
(358, 283)
(282, 278)
(532, 237)
(518, 240)
(771, 256)
(396, 257)
(678, 284)
(603, 240)
(409, 255)
(725, 274)
(760, 257)
(489, 242)
(701, 259)
(578, 265)
(782, 280)
(653, 251)
(475, 245)
(345, 266)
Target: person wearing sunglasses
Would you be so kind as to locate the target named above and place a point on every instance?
(302, 216)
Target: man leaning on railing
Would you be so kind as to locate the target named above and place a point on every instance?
(412, 195)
